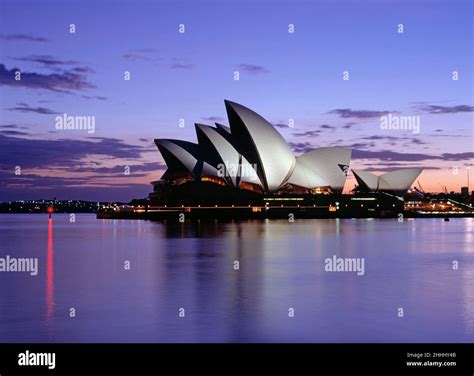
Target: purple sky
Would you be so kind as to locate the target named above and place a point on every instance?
(187, 76)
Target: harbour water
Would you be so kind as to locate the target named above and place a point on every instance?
(231, 281)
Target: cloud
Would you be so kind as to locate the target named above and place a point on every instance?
(46, 60)
(12, 126)
(81, 176)
(14, 133)
(105, 138)
(41, 153)
(142, 54)
(28, 179)
(22, 38)
(58, 82)
(307, 133)
(34, 186)
(83, 70)
(388, 155)
(281, 125)
(301, 147)
(325, 126)
(347, 113)
(119, 169)
(413, 140)
(99, 97)
(252, 68)
(391, 155)
(435, 109)
(359, 145)
(213, 118)
(348, 125)
(181, 66)
(377, 137)
(23, 107)
(444, 135)
(457, 156)
(144, 139)
(394, 168)
(392, 164)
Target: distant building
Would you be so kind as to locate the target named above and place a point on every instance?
(464, 192)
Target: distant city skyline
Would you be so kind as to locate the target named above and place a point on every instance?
(324, 73)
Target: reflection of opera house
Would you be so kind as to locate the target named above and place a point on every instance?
(249, 164)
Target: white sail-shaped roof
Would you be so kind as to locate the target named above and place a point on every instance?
(367, 179)
(235, 165)
(187, 154)
(397, 181)
(260, 143)
(322, 167)
(184, 152)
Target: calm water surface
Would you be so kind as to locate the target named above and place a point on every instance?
(408, 265)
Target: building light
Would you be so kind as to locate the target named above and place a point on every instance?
(283, 198)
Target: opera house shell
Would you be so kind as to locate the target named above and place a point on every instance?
(251, 155)
(398, 181)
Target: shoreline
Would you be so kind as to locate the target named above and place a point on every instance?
(181, 214)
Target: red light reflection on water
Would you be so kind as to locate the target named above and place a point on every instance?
(50, 274)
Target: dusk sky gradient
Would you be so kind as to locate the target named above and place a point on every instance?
(188, 75)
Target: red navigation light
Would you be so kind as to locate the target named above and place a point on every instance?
(50, 209)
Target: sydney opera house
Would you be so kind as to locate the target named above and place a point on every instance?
(249, 163)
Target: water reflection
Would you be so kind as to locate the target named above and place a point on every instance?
(50, 275)
(281, 265)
